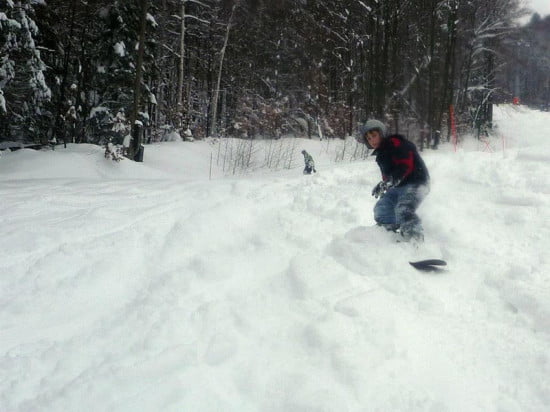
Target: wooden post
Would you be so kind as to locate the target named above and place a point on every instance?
(138, 152)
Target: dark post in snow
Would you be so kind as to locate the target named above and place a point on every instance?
(137, 133)
(136, 146)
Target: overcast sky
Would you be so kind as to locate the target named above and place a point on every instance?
(542, 7)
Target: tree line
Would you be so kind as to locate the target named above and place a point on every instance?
(91, 70)
(527, 74)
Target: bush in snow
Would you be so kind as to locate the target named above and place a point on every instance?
(114, 152)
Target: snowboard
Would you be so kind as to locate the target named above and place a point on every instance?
(429, 265)
(421, 256)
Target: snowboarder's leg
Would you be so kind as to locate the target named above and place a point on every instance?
(405, 211)
(384, 210)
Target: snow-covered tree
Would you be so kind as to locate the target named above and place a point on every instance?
(22, 80)
(490, 23)
(313, 67)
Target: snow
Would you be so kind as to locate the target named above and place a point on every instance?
(120, 48)
(2, 103)
(151, 20)
(369, 9)
(98, 109)
(149, 286)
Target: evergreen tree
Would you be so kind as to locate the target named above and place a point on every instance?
(22, 80)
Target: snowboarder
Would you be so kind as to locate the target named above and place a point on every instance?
(405, 180)
(309, 163)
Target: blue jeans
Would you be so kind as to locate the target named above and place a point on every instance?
(396, 209)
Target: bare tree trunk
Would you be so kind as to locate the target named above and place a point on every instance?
(431, 79)
(181, 64)
(216, 93)
(58, 131)
(448, 70)
(134, 147)
(491, 86)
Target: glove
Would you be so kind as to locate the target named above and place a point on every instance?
(380, 189)
(383, 186)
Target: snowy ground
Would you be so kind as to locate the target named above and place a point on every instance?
(150, 287)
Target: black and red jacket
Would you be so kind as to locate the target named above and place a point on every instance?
(399, 161)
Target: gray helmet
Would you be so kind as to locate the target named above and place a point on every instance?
(373, 124)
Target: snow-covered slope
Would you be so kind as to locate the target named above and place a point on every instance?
(165, 286)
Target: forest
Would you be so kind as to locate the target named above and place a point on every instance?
(140, 71)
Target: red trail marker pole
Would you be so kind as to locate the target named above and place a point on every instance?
(453, 126)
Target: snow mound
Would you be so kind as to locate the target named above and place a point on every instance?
(175, 284)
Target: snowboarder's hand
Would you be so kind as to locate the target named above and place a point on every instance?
(392, 183)
(379, 189)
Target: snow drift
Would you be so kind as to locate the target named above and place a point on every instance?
(170, 286)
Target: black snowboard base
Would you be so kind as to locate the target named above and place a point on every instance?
(429, 265)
